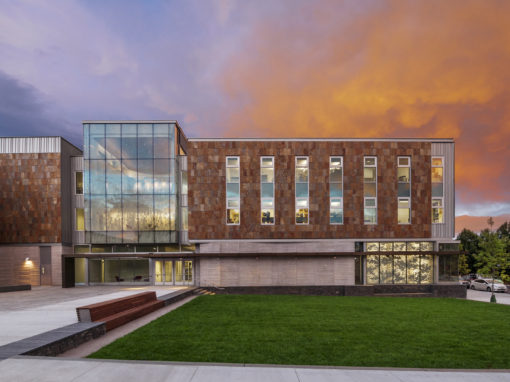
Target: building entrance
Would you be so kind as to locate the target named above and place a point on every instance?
(173, 272)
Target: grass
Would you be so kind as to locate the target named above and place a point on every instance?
(313, 330)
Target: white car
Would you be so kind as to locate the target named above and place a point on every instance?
(486, 284)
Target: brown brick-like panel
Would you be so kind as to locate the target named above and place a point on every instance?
(30, 198)
(206, 191)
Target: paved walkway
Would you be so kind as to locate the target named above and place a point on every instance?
(42, 369)
(479, 295)
(28, 313)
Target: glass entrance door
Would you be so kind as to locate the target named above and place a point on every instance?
(173, 272)
(163, 271)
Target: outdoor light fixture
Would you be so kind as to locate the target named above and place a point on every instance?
(27, 259)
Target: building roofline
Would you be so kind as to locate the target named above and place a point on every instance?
(433, 140)
(44, 136)
(140, 121)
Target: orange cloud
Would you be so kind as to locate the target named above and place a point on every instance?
(385, 69)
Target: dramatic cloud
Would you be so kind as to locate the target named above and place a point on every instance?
(289, 68)
(25, 112)
(388, 69)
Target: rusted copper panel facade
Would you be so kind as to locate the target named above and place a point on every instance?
(30, 198)
(206, 193)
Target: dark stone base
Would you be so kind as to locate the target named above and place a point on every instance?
(177, 296)
(14, 288)
(431, 290)
(55, 341)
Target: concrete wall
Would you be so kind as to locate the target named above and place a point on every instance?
(262, 271)
(206, 194)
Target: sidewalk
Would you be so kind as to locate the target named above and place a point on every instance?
(43, 369)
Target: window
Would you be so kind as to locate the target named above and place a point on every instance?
(79, 182)
(80, 220)
(267, 190)
(302, 190)
(336, 203)
(370, 189)
(437, 190)
(233, 190)
(404, 190)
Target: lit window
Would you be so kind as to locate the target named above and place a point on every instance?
(80, 220)
(79, 182)
(404, 190)
(301, 182)
(267, 207)
(336, 203)
(233, 190)
(437, 171)
(370, 189)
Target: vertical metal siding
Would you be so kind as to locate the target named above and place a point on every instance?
(67, 187)
(21, 145)
(447, 229)
(77, 201)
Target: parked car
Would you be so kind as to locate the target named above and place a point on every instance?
(465, 280)
(486, 284)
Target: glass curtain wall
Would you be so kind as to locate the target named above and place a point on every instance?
(129, 183)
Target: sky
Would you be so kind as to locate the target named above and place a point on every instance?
(268, 68)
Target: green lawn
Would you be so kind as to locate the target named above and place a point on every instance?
(313, 330)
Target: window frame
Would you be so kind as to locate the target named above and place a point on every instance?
(262, 199)
(408, 198)
(376, 189)
(227, 199)
(296, 198)
(441, 198)
(82, 182)
(336, 198)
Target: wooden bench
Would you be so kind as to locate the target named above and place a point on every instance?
(119, 311)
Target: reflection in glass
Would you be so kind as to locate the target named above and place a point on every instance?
(413, 269)
(370, 190)
(399, 269)
(426, 267)
(129, 176)
(79, 182)
(403, 174)
(336, 216)
(372, 269)
(404, 189)
(98, 212)
(145, 143)
(426, 246)
(97, 142)
(130, 213)
(302, 162)
(232, 215)
(232, 190)
(372, 247)
(267, 215)
(114, 212)
(301, 190)
(145, 213)
(97, 176)
(145, 176)
(386, 269)
(267, 190)
(399, 246)
(413, 246)
(370, 216)
(162, 212)
(178, 271)
(335, 190)
(113, 141)
(113, 176)
(162, 176)
(161, 141)
(129, 142)
(386, 246)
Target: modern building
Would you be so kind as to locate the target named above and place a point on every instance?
(150, 206)
(35, 209)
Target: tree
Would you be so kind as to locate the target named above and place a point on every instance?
(463, 264)
(493, 259)
(469, 243)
